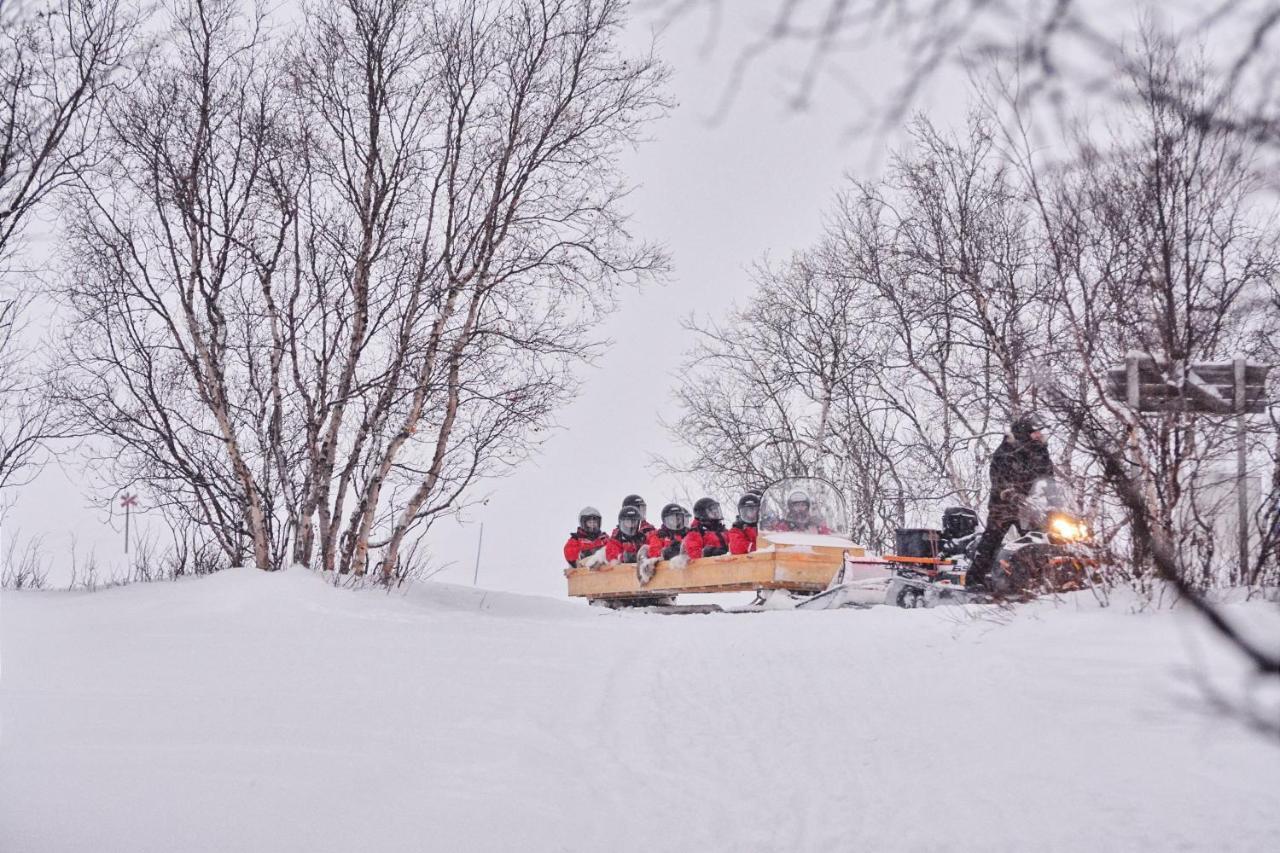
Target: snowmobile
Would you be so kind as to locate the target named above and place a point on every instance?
(1053, 552)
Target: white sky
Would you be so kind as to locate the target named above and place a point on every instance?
(718, 195)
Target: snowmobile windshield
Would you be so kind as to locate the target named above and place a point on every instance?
(629, 526)
(749, 514)
(804, 504)
(675, 521)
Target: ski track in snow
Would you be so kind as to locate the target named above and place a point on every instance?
(247, 712)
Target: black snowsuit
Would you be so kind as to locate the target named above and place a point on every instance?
(1015, 468)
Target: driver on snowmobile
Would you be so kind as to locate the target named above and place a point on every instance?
(638, 502)
(799, 517)
(664, 542)
(707, 536)
(1021, 459)
(746, 527)
(625, 540)
(587, 539)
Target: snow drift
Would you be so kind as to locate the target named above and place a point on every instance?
(249, 711)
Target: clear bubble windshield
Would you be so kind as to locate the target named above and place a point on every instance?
(804, 505)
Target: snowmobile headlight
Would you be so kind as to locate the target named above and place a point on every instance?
(1068, 529)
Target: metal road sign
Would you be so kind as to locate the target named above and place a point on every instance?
(1146, 383)
(1149, 384)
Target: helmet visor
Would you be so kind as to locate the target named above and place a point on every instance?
(628, 526)
(714, 513)
(675, 520)
(590, 523)
(750, 514)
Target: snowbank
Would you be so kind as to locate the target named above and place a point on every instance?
(255, 712)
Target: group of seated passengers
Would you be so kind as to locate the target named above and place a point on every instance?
(635, 539)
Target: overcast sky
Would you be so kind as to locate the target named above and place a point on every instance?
(719, 195)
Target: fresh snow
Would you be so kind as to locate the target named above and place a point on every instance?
(272, 712)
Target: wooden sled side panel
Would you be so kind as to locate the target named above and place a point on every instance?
(791, 570)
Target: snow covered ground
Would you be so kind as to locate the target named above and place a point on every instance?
(255, 712)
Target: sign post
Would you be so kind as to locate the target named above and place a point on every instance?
(475, 578)
(127, 501)
(1149, 384)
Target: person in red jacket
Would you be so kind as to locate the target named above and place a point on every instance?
(625, 540)
(638, 502)
(743, 532)
(707, 536)
(664, 542)
(588, 539)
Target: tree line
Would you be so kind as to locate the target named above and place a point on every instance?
(984, 276)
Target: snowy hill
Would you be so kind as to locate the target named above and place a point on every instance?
(255, 712)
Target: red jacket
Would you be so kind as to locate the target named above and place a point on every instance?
(663, 543)
(583, 544)
(618, 546)
(787, 527)
(706, 541)
(742, 537)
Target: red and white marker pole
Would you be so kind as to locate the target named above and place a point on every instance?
(127, 501)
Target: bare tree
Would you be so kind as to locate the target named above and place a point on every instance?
(1063, 51)
(946, 245)
(326, 285)
(891, 355)
(164, 334)
(1158, 245)
(28, 421)
(783, 370)
(56, 61)
(969, 283)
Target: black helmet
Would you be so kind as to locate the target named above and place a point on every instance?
(675, 517)
(637, 502)
(1023, 427)
(589, 519)
(628, 520)
(749, 507)
(707, 509)
(958, 522)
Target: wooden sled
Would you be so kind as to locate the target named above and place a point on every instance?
(794, 562)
